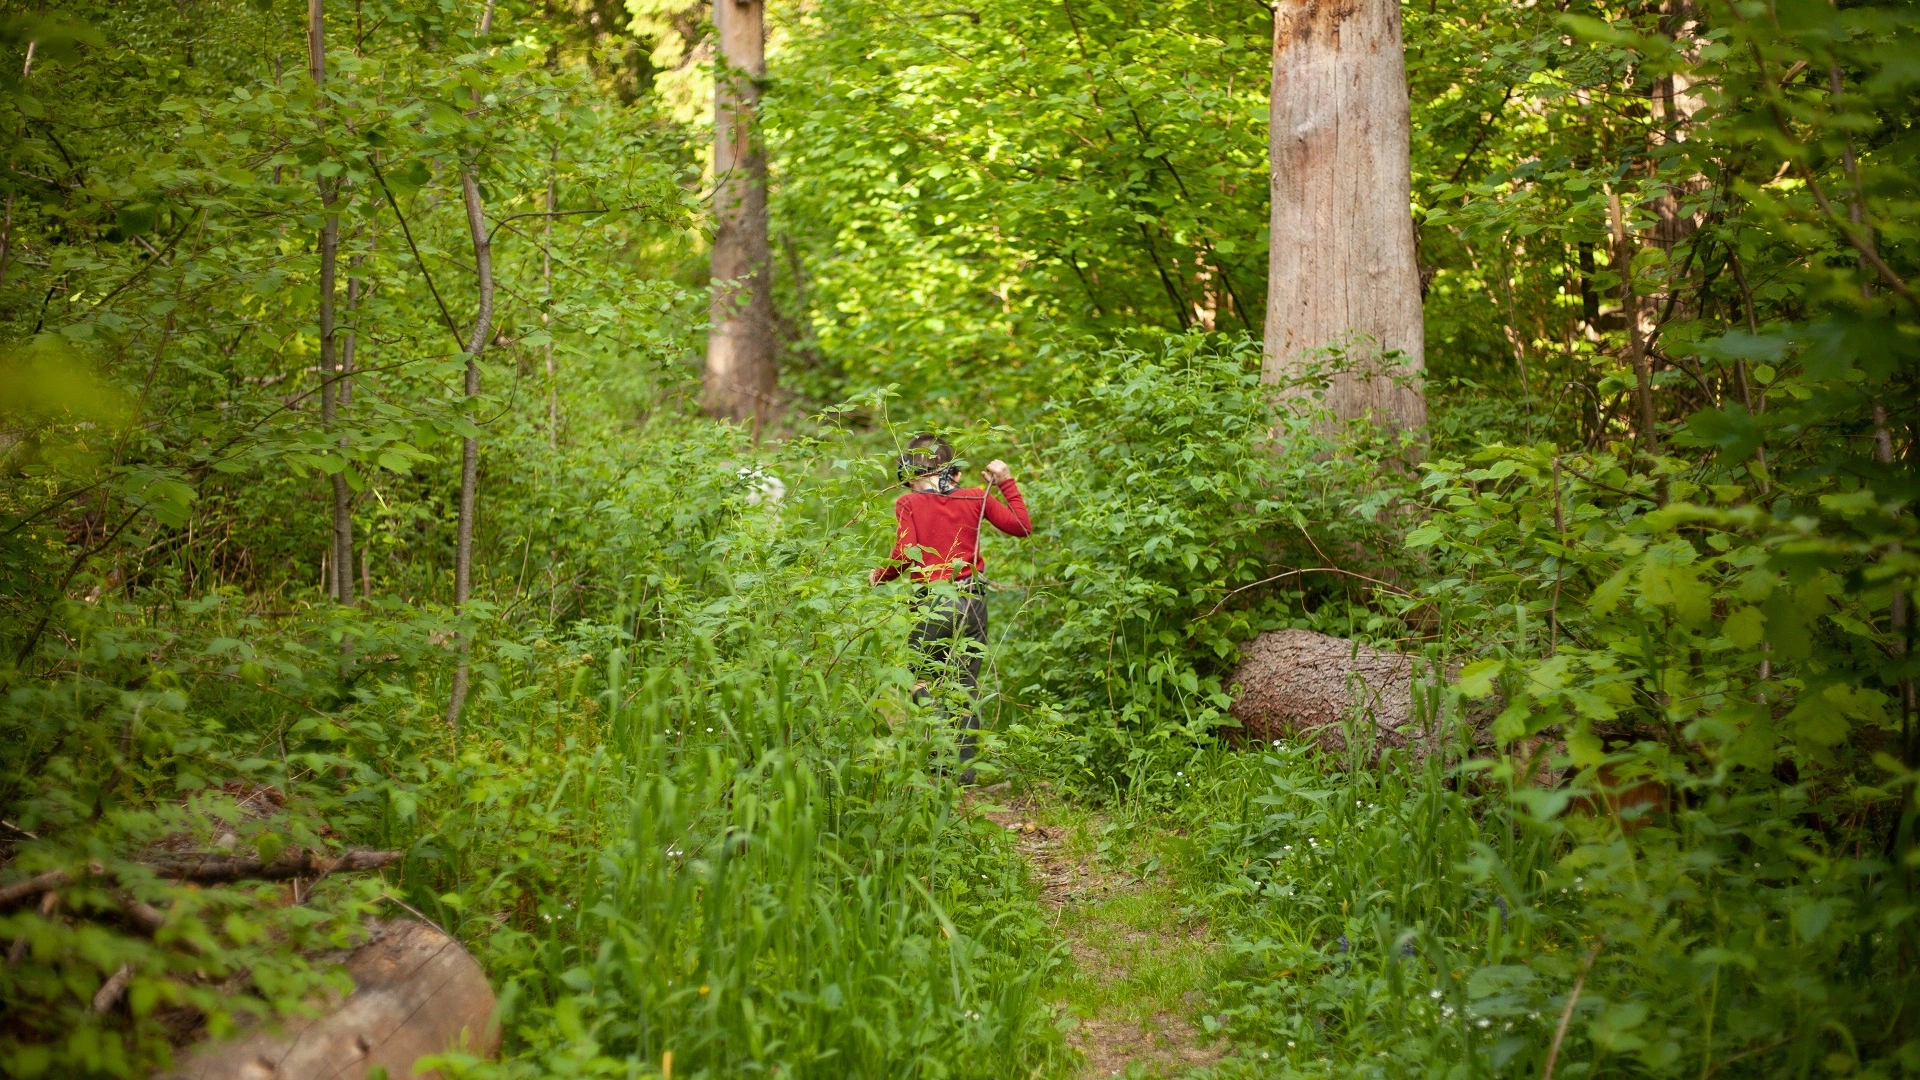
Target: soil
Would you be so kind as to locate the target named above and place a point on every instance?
(1132, 999)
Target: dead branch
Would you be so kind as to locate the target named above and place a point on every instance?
(209, 869)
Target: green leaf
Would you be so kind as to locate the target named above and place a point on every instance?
(1732, 429)
(1476, 679)
(1607, 596)
(1425, 536)
(1745, 627)
(1811, 918)
(1786, 627)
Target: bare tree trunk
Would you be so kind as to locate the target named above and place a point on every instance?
(470, 448)
(340, 581)
(546, 280)
(742, 373)
(1636, 313)
(6, 240)
(1342, 269)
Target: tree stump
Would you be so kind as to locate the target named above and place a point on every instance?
(1299, 685)
(416, 992)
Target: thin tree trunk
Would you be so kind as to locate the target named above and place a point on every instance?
(1342, 267)
(1632, 313)
(6, 240)
(356, 292)
(546, 279)
(742, 373)
(6, 231)
(470, 447)
(343, 397)
(339, 582)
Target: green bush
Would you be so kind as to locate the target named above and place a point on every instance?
(1173, 496)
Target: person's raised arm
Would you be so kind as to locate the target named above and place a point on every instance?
(902, 537)
(1011, 518)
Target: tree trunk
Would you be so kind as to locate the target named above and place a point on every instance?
(546, 282)
(1637, 313)
(470, 447)
(742, 373)
(340, 580)
(1342, 271)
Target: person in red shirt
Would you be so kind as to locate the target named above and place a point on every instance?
(937, 539)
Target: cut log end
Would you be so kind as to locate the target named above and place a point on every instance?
(416, 992)
(1299, 685)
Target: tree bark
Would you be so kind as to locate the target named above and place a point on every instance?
(415, 992)
(340, 579)
(742, 373)
(470, 447)
(1342, 270)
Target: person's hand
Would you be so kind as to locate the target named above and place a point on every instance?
(873, 577)
(997, 471)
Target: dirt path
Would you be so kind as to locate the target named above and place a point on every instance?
(1139, 965)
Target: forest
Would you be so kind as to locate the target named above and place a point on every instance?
(445, 446)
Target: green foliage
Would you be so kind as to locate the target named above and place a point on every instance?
(1174, 494)
(692, 808)
(966, 185)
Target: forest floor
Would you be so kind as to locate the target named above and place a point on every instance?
(1130, 1002)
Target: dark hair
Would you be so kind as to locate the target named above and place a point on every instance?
(925, 454)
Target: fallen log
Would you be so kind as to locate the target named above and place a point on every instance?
(416, 992)
(1296, 684)
(214, 869)
(32, 887)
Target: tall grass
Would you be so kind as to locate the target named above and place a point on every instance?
(769, 874)
(704, 830)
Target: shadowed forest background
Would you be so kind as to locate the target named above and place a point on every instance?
(645, 739)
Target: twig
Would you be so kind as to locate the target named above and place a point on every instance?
(1308, 570)
(417, 260)
(550, 214)
(33, 886)
(1748, 1052)
(143, 915)
(414, 911)
(1867, 253)
(110, 992)
(73, 569)
(1591, 482)
(1566, 1015)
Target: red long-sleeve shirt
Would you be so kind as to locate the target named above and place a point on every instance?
(940, 531)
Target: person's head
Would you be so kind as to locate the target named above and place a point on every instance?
(926, 455)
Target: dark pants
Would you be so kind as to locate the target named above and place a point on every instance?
(951, 639)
